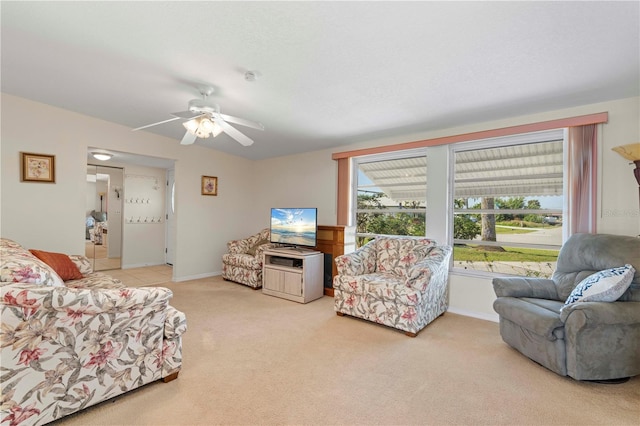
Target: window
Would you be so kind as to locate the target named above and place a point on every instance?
(390, 195)
(577, 212)
(508, 203)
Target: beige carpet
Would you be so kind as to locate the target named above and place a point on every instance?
(255, 359)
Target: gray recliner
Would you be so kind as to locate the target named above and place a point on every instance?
(586, 340)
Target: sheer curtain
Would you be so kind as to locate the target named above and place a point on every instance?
(581, 176)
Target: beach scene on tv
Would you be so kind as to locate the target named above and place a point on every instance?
(293, 226)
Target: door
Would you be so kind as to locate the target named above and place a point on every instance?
(170, 226)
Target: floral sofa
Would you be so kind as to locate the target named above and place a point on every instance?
(67, 345)
(243, 262)
(400, 282)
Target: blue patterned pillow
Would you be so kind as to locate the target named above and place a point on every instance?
(603, 286)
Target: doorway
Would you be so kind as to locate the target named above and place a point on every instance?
(170, 212)
(103, 217)
(138, 210)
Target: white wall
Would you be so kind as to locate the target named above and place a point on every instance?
(302, 178)
(143, 212)
(48, 216)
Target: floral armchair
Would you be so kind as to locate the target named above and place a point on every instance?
(243, 262)
(400, 282)
(68, 344)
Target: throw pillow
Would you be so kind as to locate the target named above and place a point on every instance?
(603, 286)
(252, 250)
(60, 263)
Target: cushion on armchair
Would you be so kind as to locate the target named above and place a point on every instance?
(604, 286)
(397, 255)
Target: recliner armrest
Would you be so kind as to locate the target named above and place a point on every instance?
(530, 316)
(608, 313)
(539, 288)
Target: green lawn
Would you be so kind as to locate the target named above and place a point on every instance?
(512, 254)
(502, 230)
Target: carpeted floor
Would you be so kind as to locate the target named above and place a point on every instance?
(255, 359)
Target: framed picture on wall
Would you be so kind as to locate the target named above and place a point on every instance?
(209, 185)
(37, 167)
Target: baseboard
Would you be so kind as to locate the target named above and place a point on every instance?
(479, 315)
(197, 277)
(141, 265)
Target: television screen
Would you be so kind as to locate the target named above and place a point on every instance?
(295, 227)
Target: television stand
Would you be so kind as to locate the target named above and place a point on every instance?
(293, 275)
(289, 250)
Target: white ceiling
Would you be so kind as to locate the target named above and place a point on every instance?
(331, 73)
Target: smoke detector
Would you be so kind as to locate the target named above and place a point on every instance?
(251, 75)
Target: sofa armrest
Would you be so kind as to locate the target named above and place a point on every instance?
(538, 288)
(176, 323)
(82, 263)
(605, 313)
(359, 262)
(174, 327)
(82, 301)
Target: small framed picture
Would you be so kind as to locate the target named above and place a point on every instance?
(209, 185)
(37, 167)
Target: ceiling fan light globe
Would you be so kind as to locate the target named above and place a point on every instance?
(206, 125)
(201, 133)
(191, 126)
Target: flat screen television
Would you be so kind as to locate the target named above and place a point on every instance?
(297, 227)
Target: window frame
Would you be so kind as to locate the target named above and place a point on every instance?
(379, 157)
(488, 143)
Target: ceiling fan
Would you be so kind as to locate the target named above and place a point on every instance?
(204, 120)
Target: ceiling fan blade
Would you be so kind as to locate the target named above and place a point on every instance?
(188, 138)
(242, 121)
(187, 114)
(155, 124)
(235, 133)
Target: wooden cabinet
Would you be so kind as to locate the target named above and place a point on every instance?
(293, 275)
(334, 241)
